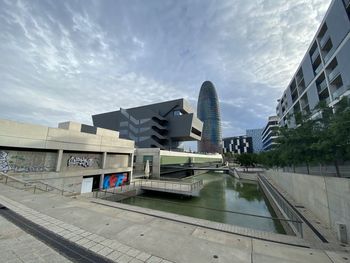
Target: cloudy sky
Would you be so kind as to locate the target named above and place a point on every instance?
(66, 60)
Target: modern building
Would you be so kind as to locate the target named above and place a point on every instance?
(161, 125)
(208, 112)
(255, 134)
(324, 73)
(269, 133)
(164, 163)
(73, 157)
(238, 144)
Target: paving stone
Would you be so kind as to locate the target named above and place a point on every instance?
(75, 238)
(123, 248)
(114, 245)
(143, 256)
(154, 259)
(114, 255)
(135, 260)
(105, 251)
(86, 234)
(83, 241)
(96, 248)
(89, 244)
(133, 252)
(124, 259)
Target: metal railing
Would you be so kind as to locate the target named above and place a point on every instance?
(319, 68)
(35, 185)
(322, 86)
(339, 91)
(334, 73)
(289, 211)
(315, 55)
(324, 39)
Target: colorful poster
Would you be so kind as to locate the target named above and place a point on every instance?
(115, 180)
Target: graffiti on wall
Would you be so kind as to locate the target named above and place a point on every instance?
(4, 165)
(23, 162)
(80, 161)
(115, 180)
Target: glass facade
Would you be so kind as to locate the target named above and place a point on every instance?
(208, 112)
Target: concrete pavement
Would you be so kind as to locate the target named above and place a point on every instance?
(126, 236)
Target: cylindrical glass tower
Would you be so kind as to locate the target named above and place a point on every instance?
(209, 113)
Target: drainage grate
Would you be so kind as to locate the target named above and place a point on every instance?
(68, 249)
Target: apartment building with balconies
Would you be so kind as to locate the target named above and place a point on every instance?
(269, 133)
(324, 73)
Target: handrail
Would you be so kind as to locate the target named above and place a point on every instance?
(47, 186)
(290, 213)
(35, 184)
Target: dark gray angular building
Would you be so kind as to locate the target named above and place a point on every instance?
(208, 112)
(324, 72)
(161, 125)
(238, 144)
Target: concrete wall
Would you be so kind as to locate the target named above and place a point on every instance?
(62, 156)
(327, 197)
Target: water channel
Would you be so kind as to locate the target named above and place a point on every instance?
(221, 196)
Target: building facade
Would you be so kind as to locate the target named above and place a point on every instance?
(164, 163)
(161, 125)
(73, 157)
(238, 144)
(269, 133)
(208, 112)
(255, 134)
(324, 73)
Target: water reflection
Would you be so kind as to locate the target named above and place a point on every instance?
(220, 195)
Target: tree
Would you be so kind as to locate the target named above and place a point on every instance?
(321, 139)
(246, 159)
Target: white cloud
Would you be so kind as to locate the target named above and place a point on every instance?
(64, 60)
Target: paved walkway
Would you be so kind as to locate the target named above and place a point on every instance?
(125, 236)
(17, 246)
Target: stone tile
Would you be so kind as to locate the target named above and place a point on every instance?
(86, 234)
(89, 244)
(133, 252)
(96, 248)
(124, 259)
(143, 256)
(114, 255)
(105, 251)
(75, 238)
(99, 239)
(154, 259)
(135, 260)
(83, 241)
(123, 248)
(114, 245)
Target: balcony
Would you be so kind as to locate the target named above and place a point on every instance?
(339, 92)
(335, 72)
(324, 39)
(315, 54)
(299, 79)
(318, 69)
(322, 86)
(328, 56)
(347, 3)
